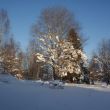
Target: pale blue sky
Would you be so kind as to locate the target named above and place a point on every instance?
(93, 16)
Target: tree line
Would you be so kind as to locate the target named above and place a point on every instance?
(55, 50)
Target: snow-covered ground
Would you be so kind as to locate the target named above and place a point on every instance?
(29, 95)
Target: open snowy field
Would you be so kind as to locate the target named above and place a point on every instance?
(28, 95)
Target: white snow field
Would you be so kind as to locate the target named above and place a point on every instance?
(28, 95)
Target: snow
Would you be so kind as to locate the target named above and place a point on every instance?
(31, 95)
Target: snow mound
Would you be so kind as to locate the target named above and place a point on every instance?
(7, 78)
(56, 84)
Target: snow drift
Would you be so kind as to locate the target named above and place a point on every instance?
(29, 95)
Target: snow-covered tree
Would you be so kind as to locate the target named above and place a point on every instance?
(4, 33)
(12, 58)
(95, 68)
(46, 72)
(78, 42)
(56, 46)
(62, 55)
(104, 58)
(100, 63)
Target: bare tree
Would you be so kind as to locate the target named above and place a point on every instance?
(4, 25)
(54, 21)
(33, 66)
